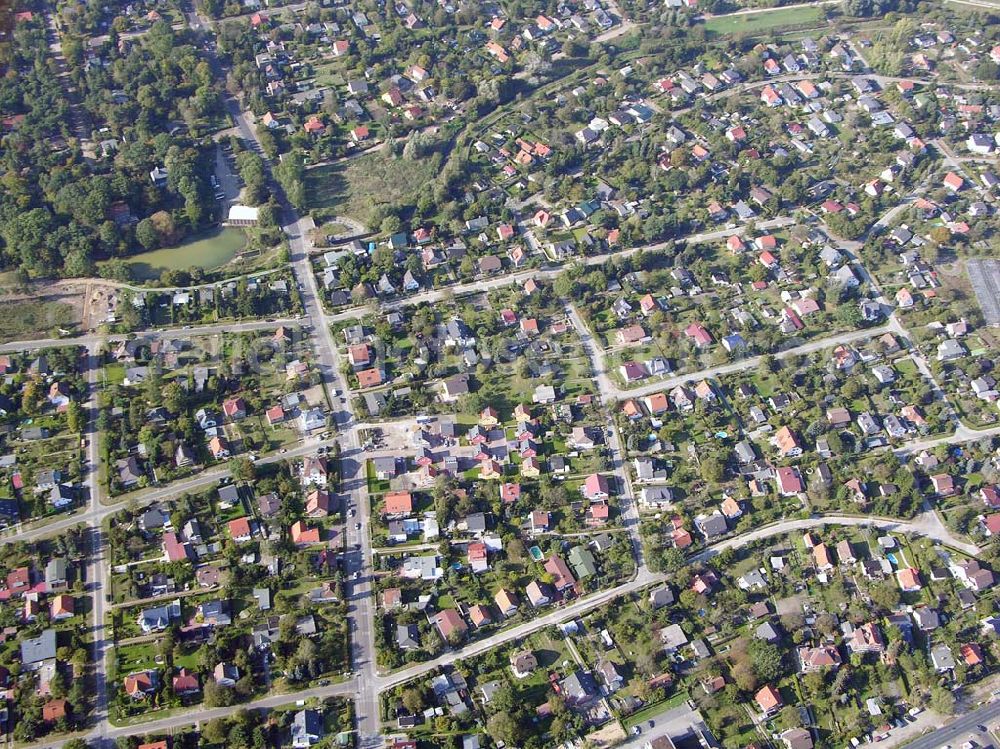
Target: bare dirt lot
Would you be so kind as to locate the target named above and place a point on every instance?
(41, 310)
(611, 734)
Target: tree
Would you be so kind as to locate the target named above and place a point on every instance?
(505, 727)
(217, 695)
(75, 418)
(413, 700)
(789, 717)
(885, 596)
(174, 397)
(290, 173)
(31, 396)
(713, 470)
(214, 731)
(744, 676)
(242, 469)
(942, 701)
(766, 659)
(146, 234)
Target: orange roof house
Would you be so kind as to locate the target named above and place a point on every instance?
(479, 615)
(681, 538)
(490, 469)
(972, 654)
(138, 685)
(787, 443)
(398, 503)
(218, 447)
(239, 529)
(909, 579)
(369, 378)
(303, 535)
(506, 601)
(768, 699)
(62, 607)
(497, 51)
(631, 409)
(449, 623)
(821, 555)
(54, 710)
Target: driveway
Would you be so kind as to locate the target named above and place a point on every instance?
(674, 722)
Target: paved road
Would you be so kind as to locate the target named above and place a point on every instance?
(921, 525)
(555, 269)
(627, 503)
(155, 333)
(202, 714)
(754, 11)
(97, 574)
(378, 683)
(952, 162)
(954, 731)
(925, 524)
(96, 514)
(368, 683)
(361, 608)
(748, 363)
(962, 434)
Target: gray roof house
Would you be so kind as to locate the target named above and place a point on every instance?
(660, 597)
(767, 633)
(407, 637)
(38, 649)
(159, 617)
(307, 729)
(55, 573)
(215, 613)
(926, 619)
(579, 687)
(712, 525)
(941, 658)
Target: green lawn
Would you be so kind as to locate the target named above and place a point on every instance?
(114, 373)
(754, 22)
(375, 486)
(355, 187)
(655, 709)
(132, 658)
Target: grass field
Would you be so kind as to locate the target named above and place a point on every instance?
(753, 22)
(354, 187)
(655, 709)
(26, 319)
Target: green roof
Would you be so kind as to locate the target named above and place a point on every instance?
(583, 562)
